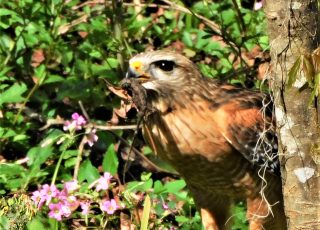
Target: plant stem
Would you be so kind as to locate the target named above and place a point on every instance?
(79, 158)
(117, 30)
(55, 174)
(34, 88)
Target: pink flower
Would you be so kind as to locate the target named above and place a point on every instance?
(85, 206)
(79, 119)
(77, 122)
(72, 202)
(45, 194)
(104, 181)
(60, 203)
(68, 125)
(56, 211)
(63, 195)
(38, 198)
(65, 209)
(23, 160)
(59, 210)
(49, 191)
(92, 137)
(71, 186)
(165, 206)
(109, 206)
(258, 5)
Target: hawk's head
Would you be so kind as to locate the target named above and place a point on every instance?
(160, 69)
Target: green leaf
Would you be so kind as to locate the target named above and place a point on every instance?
(12, 175)
(228, 16)
(147, 150)
(30, 39)
(142, 186)
(4, 222)
(5, 12)
(146, 213)
(10, 170)
(52, 78)
(20, 137)
(226, 63)
(112, 62)
(70, 153)
(13, 94)
(98, 24)
(88, 172)
(35, 224)
(39, 155)
(70, 162)
(308, 68)
(6, 43)
(9, 133)
(52, 137)
(182, 219)
(186, 38)
(293, 72)
(316, 60)
(158, 187)
(264, 42)
(40, 73)
(110, 161)
(95, 54)
(239, 220)
(316, 89)
(158, 29)
(146, 176)
(175, 186)
(14, 184)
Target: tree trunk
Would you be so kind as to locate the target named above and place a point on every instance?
(293, 27)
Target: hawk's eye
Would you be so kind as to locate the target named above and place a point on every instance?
(165, 65)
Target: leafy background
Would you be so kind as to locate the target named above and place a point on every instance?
(58, 57)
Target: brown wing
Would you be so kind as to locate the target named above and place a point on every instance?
(245, 119)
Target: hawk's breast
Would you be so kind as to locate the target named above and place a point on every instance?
(186, 138)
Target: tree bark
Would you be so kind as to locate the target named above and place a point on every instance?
(293, 27)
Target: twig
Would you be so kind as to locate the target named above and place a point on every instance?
(205, 20)
(117, 29)
(115, 127)
(212, 25)
(66, 27)
(170, 5)
(242, 24)
(126, 165)
(60, 121)
(84, 111)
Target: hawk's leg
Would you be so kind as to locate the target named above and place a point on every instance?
(266, 213)
(257, 212)
(214, 209)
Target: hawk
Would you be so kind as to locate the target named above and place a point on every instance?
(219, 137)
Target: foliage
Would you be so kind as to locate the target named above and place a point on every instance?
(54, 55)
(308, 64)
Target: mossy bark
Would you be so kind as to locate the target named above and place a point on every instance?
(293, 27)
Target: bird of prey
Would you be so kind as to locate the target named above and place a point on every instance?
(219, 137)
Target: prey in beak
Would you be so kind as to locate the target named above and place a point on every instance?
(132, 83)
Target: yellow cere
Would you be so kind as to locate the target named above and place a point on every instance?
(136, 65)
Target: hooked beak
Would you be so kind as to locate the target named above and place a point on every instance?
(135, 71)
